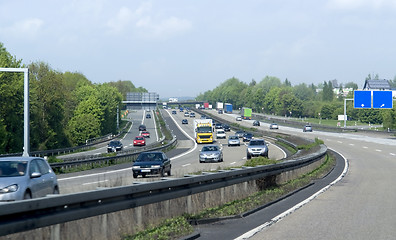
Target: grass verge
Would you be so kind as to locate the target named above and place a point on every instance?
(237, 206)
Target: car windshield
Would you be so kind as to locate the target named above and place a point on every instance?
(233, 137)
(257, 143)
(114, 143)
(204, 129)
(209, 149)
(12, 168)
(147, 157)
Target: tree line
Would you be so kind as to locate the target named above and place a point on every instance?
(272, 96)
(66, 108)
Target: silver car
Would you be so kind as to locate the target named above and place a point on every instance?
(25, 178)
(211, 153)
(234, 141)
(257, 147)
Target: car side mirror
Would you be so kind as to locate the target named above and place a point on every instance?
(35, 175)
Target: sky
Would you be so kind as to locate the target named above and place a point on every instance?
(182, 48)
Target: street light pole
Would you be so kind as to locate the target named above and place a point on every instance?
(26, 143)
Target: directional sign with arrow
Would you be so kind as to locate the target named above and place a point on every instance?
(362, 99)
(382, 99)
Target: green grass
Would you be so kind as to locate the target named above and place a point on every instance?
(173, 228)
(311, 145)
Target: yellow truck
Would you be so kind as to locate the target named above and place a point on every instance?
(203, 130)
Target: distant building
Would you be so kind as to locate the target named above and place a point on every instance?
(173, 99)
(376, 84)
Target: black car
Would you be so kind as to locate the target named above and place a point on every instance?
(247, 137)
(218, 125)
(239, 133)
(174, 112)
(114, 146)
(148, 115)
(151, 163)
(256, 123)
(184, 121)
(142, 128)
(226, 128)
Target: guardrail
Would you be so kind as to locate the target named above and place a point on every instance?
(36, 213)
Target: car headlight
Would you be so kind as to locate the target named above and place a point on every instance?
(155, 166)
(135, 167)
(9, 189)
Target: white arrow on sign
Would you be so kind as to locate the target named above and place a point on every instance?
(362, 104)
(383, 105)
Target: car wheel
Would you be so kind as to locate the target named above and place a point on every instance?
(162, 173)
(248, 156)
(169, 172)
(27, 195)
(56, 190)
(135, 175)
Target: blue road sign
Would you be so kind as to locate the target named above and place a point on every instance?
(362, 99)
(382, 99)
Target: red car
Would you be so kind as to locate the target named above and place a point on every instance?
(145, 134)
(139, 141)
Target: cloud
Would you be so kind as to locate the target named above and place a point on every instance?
(163, 28)
(123, 18)
(26, 28)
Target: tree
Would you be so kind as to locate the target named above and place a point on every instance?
(327, 92)
(352, 85)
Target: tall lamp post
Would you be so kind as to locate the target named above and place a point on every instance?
(26, 144)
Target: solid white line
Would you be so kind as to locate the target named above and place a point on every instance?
(96, 174)
(393, 154)
(95, 182)
(192, 139)
(185, 165)
(378, 150)
(297, 206)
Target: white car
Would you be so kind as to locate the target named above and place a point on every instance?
(220, 133)
(238, 118)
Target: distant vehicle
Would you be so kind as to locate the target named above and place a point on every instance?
(257, 147)
(181, 110)
(186, 114)
(220, 111)
(240, 133)
(226, 128)
(203, 130)
(192, 115)
(149, 163)
(184, 121)
(274, 126)
(139, 141)
(145, 134)
(174, 112)
(148, 115)
(220, 133)
(307, 128)
(247, 137)
(211, 153)
(238, 118)
(26, 178)
(246, 113)
(228, 108)
(256, 123)
(114, 146)
(203, 116)
(142, 128)
(218, 125)
(234, 141)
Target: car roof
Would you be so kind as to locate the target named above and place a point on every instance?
(20, 158)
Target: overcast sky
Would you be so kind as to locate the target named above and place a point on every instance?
(184, 48)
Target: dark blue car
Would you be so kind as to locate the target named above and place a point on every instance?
(151, 163)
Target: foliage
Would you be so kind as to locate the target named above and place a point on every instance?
(65, 108)
(253, 162)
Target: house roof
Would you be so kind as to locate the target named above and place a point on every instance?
(377, 84)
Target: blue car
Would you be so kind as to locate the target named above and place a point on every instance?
(151, 163)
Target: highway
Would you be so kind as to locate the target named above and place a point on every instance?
(184, 158)
(360, 206)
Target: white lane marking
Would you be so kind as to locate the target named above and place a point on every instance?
(192, 139)
(96, 174)
(378, 150)
(232, 163)
(128, 131)
(393, 154)
(339, 141)
(297, 206)
(365, 147)
(185, 165)
(351, 144)
(95, 182)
